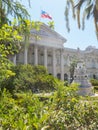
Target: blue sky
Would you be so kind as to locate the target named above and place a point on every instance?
(76, 38)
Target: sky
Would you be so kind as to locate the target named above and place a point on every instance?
(76, 38)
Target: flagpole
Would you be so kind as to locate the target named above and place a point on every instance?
(40, 14)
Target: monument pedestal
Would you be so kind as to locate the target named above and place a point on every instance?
(86, 91)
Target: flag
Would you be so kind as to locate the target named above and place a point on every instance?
(44, 14)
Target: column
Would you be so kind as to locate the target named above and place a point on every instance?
(45, 57)
(68, 61)
(25, 55)
(69, 77)
(54, 63)
(14, 59)
(62, 65)
(36, 55)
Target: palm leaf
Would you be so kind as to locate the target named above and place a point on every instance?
(95, 13)
(68, 4)
(78, 6)
(86, 14)
(90, 8)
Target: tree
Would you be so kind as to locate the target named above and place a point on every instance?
(11, 36)
(51, 24)
(13, 8)
(72, 69)
(9, 44)
(90, 8)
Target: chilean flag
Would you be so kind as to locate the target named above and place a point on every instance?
(44, 14)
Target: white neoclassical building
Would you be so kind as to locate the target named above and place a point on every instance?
(50, 52)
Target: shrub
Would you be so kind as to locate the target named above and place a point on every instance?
(94, 82)
(28, 77)
(25, 112)
(69, 112)
(64, 110)
(9, 44)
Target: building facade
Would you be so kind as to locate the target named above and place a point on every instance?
(48, 50)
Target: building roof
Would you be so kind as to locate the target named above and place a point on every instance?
(48, 37)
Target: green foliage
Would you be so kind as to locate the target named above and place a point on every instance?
(25, 30)
(9, 44)
(26, 26)
(9, 40)
(94, 82)
(14, 9)
(28, 77)
(51, 24)
(69, 111)
(62, 110)
(25, 112)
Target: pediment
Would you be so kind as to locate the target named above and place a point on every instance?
(46, 32)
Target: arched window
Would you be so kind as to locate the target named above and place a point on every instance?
(94, 76)
(65, 76)
(59, 76)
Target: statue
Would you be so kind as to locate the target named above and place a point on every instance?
(81, 77)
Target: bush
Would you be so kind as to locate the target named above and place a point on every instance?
(9, 45)
(70, 112)
(25, 112)
(94, 82)
(63, 110)
(28, 77)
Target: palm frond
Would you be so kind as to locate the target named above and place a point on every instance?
(90, 8)
(86, 14)
(95, 13)
(68, 4)
(78, 6)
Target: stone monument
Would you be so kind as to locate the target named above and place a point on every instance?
(81, 77)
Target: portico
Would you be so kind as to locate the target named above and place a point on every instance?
(43, 55)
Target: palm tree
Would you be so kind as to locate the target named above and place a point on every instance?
(13, 8)
(88, 7)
